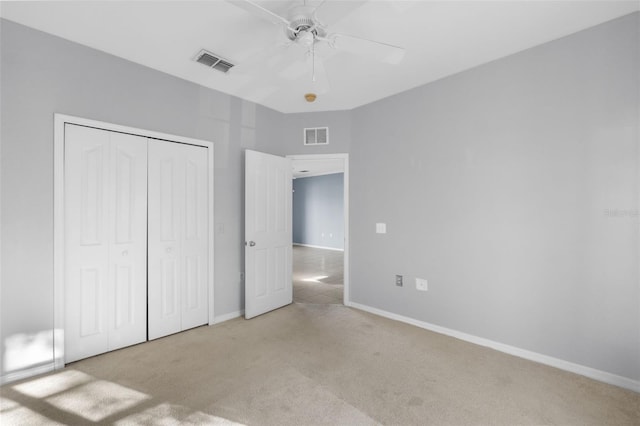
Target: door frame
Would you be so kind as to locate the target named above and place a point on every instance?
(345, 163)
(59, 214)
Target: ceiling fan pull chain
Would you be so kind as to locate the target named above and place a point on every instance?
(313, 62)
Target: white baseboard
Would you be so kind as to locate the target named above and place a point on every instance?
(318, 247)
(592, 373)
(46, 368)
(229, 316)
(26, 373)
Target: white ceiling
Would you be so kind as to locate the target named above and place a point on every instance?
(441, 38)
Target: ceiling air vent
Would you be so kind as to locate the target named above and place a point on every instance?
(213, 61)
(316, 136)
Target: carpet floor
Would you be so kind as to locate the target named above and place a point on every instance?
(308, 364)
(317, 275)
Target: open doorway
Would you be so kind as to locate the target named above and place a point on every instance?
(320, 229)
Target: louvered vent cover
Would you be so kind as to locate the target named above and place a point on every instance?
(316, 136)
(212, 61)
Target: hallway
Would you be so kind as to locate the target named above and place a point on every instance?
(317, 275)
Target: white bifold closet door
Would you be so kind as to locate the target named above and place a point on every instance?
(178, 237)
(105, 186)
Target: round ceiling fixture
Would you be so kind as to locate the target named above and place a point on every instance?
(310, 97)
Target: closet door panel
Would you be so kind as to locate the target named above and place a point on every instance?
(195, 240)
(86, 241)
(105, 241)
(128, 248)
(166, 188)
(178, 237)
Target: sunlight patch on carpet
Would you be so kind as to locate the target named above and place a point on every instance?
(97, 400)
(55, 383)
(315, 279)
(170, 414)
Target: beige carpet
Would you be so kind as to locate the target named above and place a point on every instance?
(314, 364)
(318, 275)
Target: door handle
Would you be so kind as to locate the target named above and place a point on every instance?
(252, 243)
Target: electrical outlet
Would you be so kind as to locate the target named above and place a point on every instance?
(422, 284)
(219, 228)
(399, 280)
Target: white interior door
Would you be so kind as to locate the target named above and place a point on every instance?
(178, 237)
(105, 241)
(267, 233)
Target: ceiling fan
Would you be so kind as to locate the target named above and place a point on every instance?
(302, 27)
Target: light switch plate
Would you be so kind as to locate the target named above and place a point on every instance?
(381, 228)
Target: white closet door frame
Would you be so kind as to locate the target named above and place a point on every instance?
(59, 213)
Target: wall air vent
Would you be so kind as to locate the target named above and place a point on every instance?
(213, 61)
(316, 136)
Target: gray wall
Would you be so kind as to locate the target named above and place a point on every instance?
(500, 186)
(291, 141)
(42, 75)
(512, 187)
(318, 211)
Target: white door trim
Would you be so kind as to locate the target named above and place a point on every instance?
(58, 215)
(345, 159)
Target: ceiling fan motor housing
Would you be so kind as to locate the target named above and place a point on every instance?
(302, 22)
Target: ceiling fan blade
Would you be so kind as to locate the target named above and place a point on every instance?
(294, 70)
(382, 52)
(260, 11)
(330, 12)
(308, 70)
(268, 58)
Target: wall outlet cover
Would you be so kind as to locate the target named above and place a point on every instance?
(422, 284)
